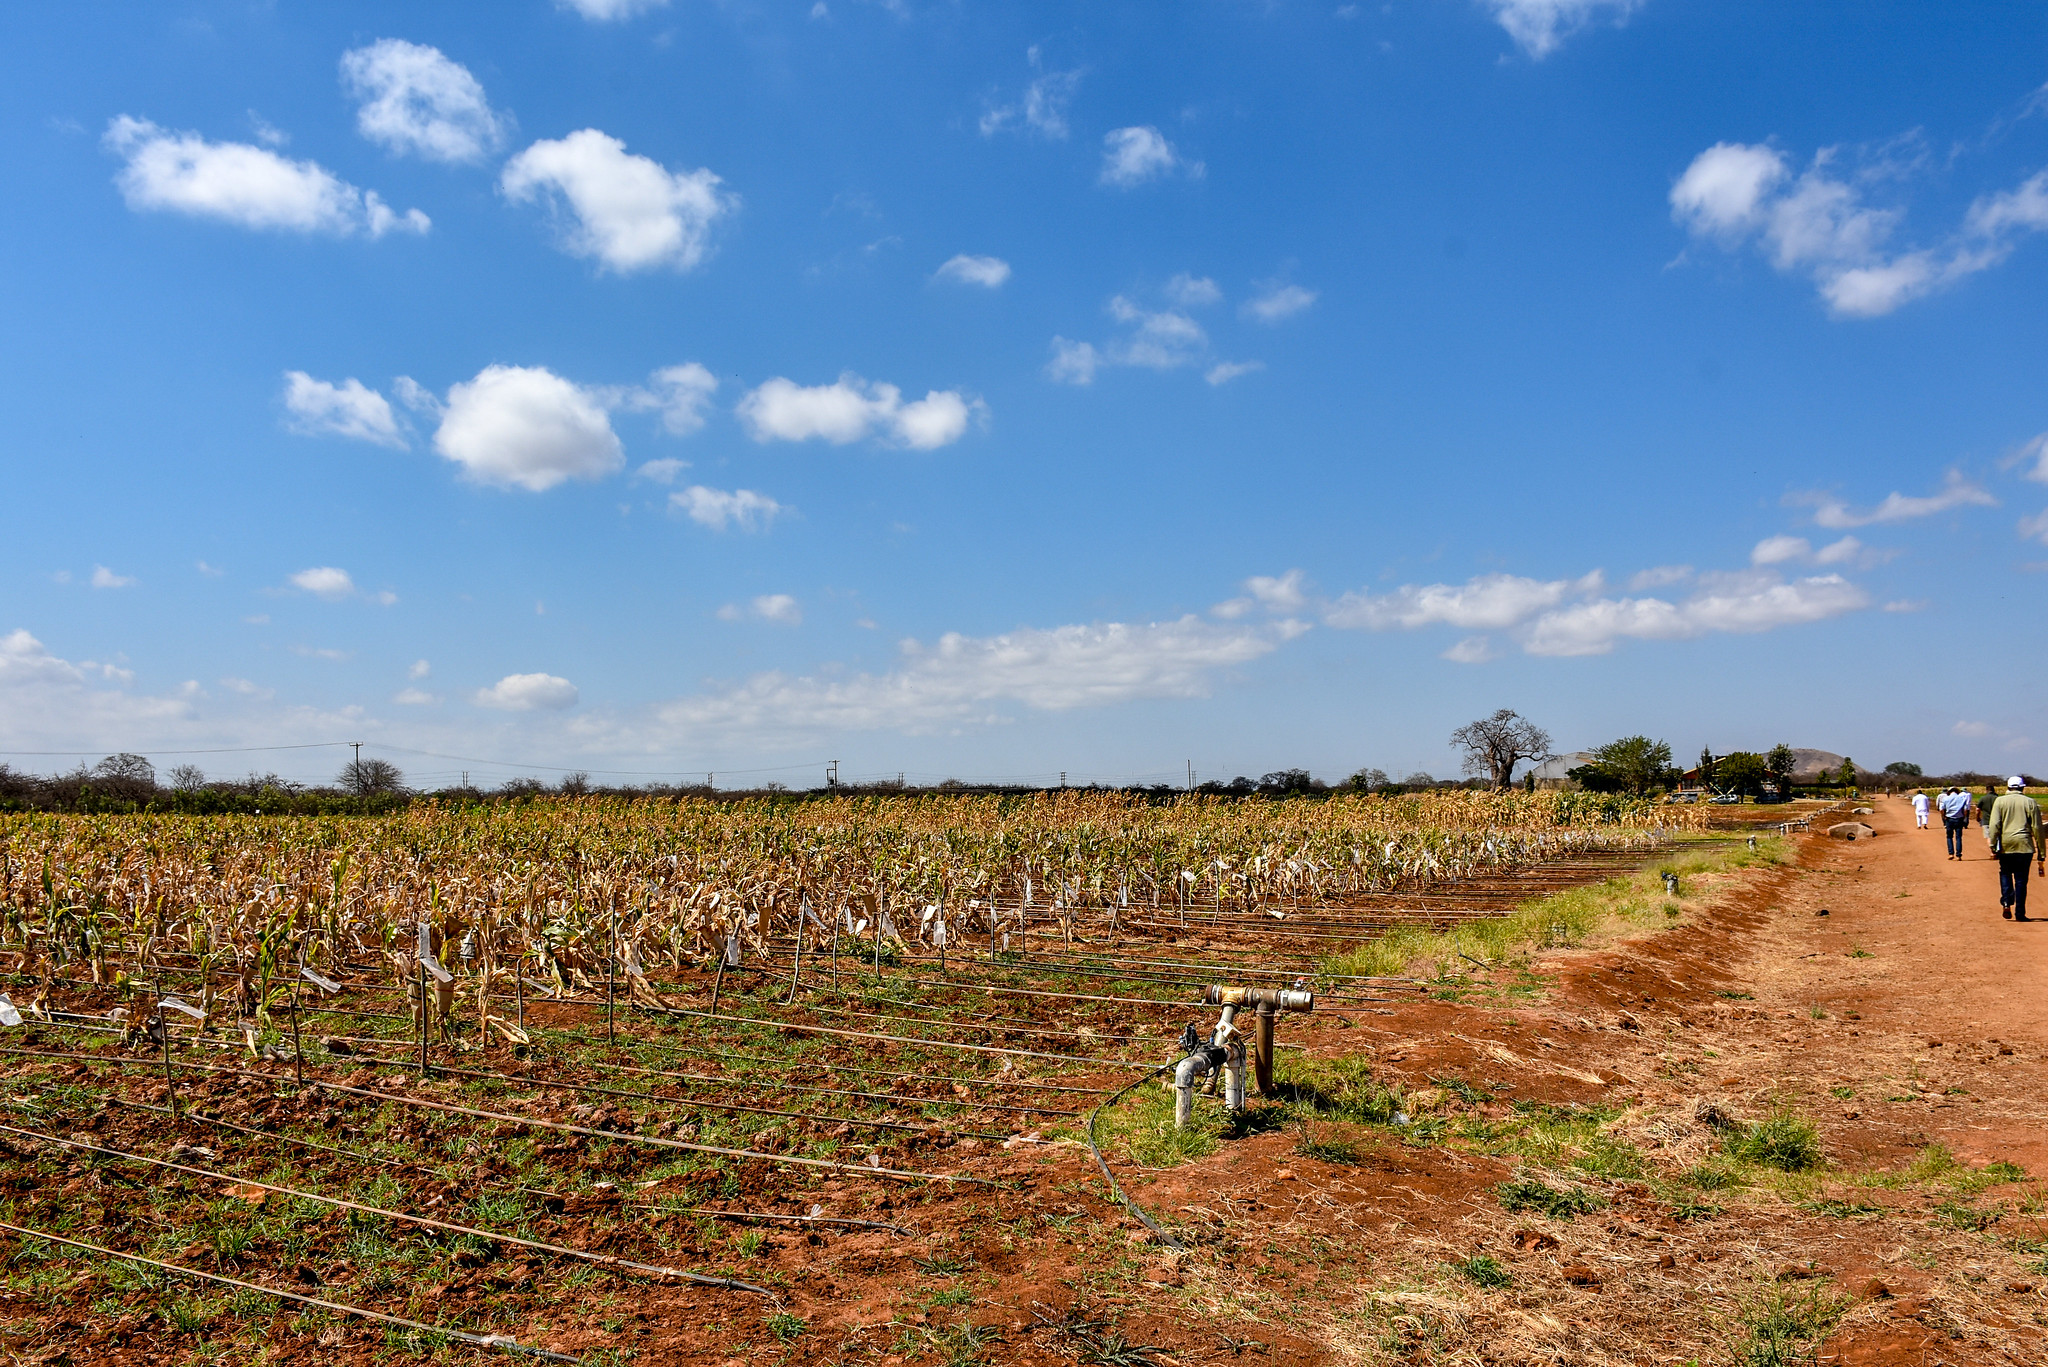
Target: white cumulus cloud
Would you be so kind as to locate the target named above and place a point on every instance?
(627, 212)
(1488, 602)
(987, 271)
(1539, 27)
(1042, 110)
(1279, 594)
(681, 393)
(412, 99)
(528, 693)
(1072, 362)
(1820, 223)
(1193, 291)
(1570, 617)
(961, 680)
(529, 427)
(609, 11)
(1132, 156)
(850, 409)
(720, 508)
(1956, 492)
(1223, 372)
(1154, 339)
(349, 409)
(1729, 603)
(324, 581)
(104, 578)
(1275, 302)
(239, 183)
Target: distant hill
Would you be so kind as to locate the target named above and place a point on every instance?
(1807, 765)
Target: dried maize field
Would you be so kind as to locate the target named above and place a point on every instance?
(594, 1080)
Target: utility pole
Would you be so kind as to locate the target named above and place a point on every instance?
(832, 775)
(1191, 776)
(1063, 780)
(359, 750)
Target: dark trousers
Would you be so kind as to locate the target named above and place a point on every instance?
(1952, 831)
(2012, 881)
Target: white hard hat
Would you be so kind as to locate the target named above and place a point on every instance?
(2015, 782)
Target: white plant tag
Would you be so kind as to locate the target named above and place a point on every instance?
(8, 1015)
(427, 959)
(325, 984)
(172, 1003)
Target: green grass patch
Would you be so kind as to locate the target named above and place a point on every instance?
(1483, 1271)
(1638, 899)
(1527, 1193)
(1786, 1141)
(1785, 1328)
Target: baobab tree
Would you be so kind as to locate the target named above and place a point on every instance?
(1494, 745)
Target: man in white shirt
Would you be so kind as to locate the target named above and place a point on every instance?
(1955, 814)
(1920, 805)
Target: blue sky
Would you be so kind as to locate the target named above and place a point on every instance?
(991, 391)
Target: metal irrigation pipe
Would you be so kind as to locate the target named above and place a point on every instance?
(461, 1335)
(564, 1126)
(605, 1260)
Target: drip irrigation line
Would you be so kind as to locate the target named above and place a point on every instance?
(718, 1213)
(199, 1039)
(1115, 1190)
(837, 1091)
(460, 1335)
(972, 1025)
(604, 1260)
(890, 1098)
(716, 1105)
(898, 1039)
(564, 1126)
(542, 1192)
(868, 1072)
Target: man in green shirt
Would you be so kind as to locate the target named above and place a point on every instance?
(2013, 826)
(1984, 801)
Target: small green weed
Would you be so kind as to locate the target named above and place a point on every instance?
(1785, 1328)
(1684, 1208)
(1326, 1150)
(1969, 1219)
(786, 1327)
(1786, 1141)
(1483, 1270)
(1839, 1209)
(1530, 1193)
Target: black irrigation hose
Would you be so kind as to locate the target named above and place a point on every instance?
(536, 1122)
(687, 1102)
(460, 1335)
(712, 1211)
(1114, 1190)
(425, 1222)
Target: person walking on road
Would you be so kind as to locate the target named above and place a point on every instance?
(1955, 814)
(1920, 809)
(2014, 829)
(1984, 801)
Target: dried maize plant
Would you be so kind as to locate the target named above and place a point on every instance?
(563, 888)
